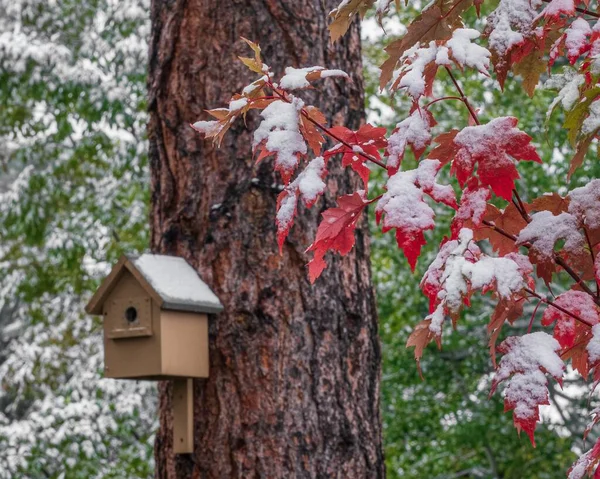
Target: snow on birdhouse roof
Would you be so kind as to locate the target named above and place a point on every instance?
(170, 279)
(177, 283)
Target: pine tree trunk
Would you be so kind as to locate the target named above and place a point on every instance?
(295, 369)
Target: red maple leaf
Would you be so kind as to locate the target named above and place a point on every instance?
(336, 231)
(571, 334)
(492, 148)
(473, 205)
(405, 209)
(580, 304)
(368, 139)
(526, 360)
(587, 464)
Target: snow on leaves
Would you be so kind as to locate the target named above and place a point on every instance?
(587, 464)
(492, 148)
(524, 365)
(403, 207)
(279, 134)
(555, 8)
(437, 22)
(584, 204)
(420, 65)
(309, 185)
(414, 131)
(336, 231)
(458, 271)
(472, 208)
(573, 334)
(543, 232)
(300, 78)
(579, 304)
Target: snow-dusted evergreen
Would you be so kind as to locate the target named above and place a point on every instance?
(72, 198)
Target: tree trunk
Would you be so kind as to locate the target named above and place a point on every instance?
(294, 369)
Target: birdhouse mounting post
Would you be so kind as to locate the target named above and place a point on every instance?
(183, 416)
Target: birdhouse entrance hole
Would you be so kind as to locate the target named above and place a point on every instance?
(131, 314)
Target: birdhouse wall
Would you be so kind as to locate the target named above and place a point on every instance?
(184, 344)
(131, 348)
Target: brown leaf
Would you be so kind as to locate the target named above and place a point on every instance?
(309, 131)
(506, 310)
(509, 220)
(343, 17)
(552, 202)
(582, 148)
(530, 68)
(446, 149)
(420, 338)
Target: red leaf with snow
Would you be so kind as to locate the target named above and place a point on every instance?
(555, 8)
(368, 139)
(414, 131)
(405, 209)
(279, 134)
(525, 362)
(473, 205)
(460, 269)
(587, 464)
(492, 148)
(543, 232)
(309, 185)
(336, 231)
(568, 328)
(572, 335)
(434, 278)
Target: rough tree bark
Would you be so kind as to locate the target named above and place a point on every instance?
(295, 369)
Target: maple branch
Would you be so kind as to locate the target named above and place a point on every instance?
(463, 98)
(589, 242)
(533, 317)
(442, 98)
(519, 203)
(500, 230)
(326, 130)
(521, 206)
(581, 10)
(557, 259)
(560, 308)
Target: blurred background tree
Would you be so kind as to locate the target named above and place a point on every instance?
(74, 196)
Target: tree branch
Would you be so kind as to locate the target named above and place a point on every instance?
(560, 308)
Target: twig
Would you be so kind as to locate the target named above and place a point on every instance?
(589, 242)
(557, 259)
(560, 308)
(464, 99)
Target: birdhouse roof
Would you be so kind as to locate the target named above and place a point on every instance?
(170, 280)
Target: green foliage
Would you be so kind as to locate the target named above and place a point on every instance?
(73, 197)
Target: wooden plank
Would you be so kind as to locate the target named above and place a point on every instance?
(95, 304)
(183, 416)
(143, 282)
(184, 344)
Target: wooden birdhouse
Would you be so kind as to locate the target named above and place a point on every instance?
(155, 322)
